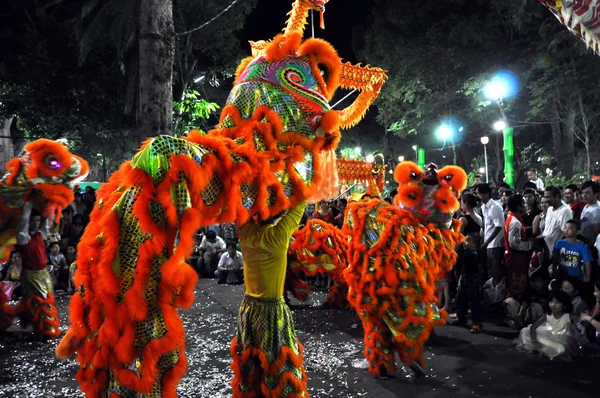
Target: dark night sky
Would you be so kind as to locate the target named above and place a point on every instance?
(341, 16)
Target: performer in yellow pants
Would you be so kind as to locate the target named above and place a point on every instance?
(267, 356)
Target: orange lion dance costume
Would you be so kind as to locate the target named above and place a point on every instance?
(42, 179)
(271, 151)
(396, 254)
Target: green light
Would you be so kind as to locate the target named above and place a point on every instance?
(509, 157)
(421, 158)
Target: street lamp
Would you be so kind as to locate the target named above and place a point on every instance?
(485, 141)
(415, 148)
(499, 125)
(445, 133)
(504, 85)
(401, 159)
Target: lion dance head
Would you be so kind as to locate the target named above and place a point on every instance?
(48, 167)
(430, 194)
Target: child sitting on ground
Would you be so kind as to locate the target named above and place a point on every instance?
(571, 287)
(591, 321)
(538, 297)
(552, 335)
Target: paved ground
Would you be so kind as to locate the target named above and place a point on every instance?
(459, 364)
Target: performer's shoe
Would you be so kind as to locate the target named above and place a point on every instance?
(383, 375)
(417, 370)
(476, 329)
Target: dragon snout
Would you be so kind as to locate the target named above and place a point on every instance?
(326, 126)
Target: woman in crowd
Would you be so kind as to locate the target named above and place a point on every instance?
(324, 213)
(532, 210)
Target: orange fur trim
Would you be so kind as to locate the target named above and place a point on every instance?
(39, 149)
(405, 253)
(445, 200)
(410, 195)
(407, 172)
(274, 369)
(323, 53)
(454, 177)
(282, 46)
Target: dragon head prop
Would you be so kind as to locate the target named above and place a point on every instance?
(50, 168)
(297, 79)
(582, 17)
(430, 194)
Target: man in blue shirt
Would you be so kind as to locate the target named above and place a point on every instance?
(572, 257)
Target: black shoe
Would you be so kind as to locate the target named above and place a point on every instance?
(383, 376)
(417, 370)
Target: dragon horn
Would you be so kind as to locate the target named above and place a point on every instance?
(365, 79)
(298, 16)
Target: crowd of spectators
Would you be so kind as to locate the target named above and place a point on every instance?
(526, 252)
(61, 246)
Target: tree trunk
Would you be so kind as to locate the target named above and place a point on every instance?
(588, 164)
(556, 134)
(7, 150)
(157, 38)
(568, 147)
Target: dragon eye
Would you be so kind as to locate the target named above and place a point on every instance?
(413, 175)
(448, 177)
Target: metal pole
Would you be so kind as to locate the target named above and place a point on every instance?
(453, 152)
(486, 164)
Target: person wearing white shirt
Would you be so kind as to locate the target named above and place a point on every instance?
(557, 216)
(231, 266)
(590, 216)
(211, 248)
(493, 240)
(532, 176)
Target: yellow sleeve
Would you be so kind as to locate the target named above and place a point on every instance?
(290, 221)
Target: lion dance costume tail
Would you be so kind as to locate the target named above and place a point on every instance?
(395, 257)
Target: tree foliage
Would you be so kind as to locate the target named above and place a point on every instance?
(441, 54)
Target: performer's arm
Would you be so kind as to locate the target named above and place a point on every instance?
(23, 236)
(290, 221)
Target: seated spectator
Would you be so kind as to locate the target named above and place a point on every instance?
(13, 276)
(468, 294)
(494, 293)
(53, 235)
(591, 321)
(59, 267)
(537, 297)
(231, 266)
(571, 287)
(552, 335)
(212, 248)
(71, 254)
(571, 257)
(194, 258)
(229, 232)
